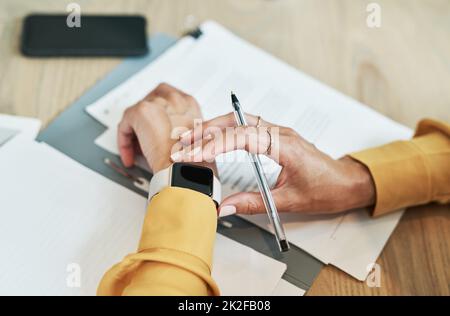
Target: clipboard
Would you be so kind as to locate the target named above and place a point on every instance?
(73, 132)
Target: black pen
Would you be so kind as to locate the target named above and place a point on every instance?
(263, 185)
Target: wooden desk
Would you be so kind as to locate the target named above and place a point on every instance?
(401, 69)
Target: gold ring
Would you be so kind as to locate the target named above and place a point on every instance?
(258, 122)
(269, 147)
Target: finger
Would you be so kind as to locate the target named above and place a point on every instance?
(126, 139)
(251, 139)
(249, 203)
(220, 122)
(190, 153)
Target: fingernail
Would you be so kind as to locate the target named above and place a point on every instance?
(208, 137)
(185, 134)
(176, 156)
(227, 210)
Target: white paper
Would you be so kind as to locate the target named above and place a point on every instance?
(59, 218)
(350, 242)
(285, 288)
(26, 127)
(6, 134)
(220, 62)
(242, 271)
(109, 111)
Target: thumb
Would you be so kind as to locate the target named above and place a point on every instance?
(247, 203)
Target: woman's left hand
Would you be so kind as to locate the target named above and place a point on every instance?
(152, 126)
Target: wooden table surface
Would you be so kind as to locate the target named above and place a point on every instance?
(401, 69)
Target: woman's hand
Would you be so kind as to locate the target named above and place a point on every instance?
(310, 181)
(152, 126)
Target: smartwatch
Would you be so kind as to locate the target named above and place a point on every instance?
(189, 176)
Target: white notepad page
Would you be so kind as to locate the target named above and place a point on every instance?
(26, 127)
(218, 62)
(284, 288)
(58, 216)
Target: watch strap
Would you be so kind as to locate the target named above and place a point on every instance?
(217, 191)
(159, 181)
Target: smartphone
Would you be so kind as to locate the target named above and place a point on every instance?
(96, 35)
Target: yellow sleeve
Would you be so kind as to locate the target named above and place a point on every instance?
(414, 172)
(175, 251)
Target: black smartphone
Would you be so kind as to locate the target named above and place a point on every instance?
(96, 35)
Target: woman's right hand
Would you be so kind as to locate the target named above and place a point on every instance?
(310, 181)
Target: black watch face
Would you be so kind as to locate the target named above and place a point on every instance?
(193, 177)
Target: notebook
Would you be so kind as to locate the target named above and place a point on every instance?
(216, 63)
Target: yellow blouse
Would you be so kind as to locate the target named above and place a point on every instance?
(175, 251)
(414, 172)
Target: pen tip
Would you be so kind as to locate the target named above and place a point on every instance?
(234, 99)
(284, 245)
